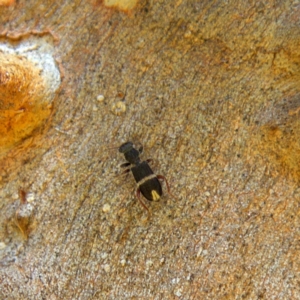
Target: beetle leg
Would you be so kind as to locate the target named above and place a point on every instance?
(138, 195)
(127, 169)
(124, 173)
(140, 148)
(163, 178)
(125, 165)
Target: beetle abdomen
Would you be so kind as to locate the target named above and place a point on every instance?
(147, 181)
(151, 189)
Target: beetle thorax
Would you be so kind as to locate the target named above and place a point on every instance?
(132, 156)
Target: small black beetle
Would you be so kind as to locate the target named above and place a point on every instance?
(147, 182)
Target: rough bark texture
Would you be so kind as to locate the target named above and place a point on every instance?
(211, 89)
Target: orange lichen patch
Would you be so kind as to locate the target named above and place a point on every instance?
(7, 2)
(281, 147)
(278, 136)
(22, 109)
(124, 5)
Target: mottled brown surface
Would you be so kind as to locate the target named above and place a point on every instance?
(211, 89)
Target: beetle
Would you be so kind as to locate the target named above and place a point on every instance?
(148, 183)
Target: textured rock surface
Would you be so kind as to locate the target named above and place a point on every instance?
(211, 90)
